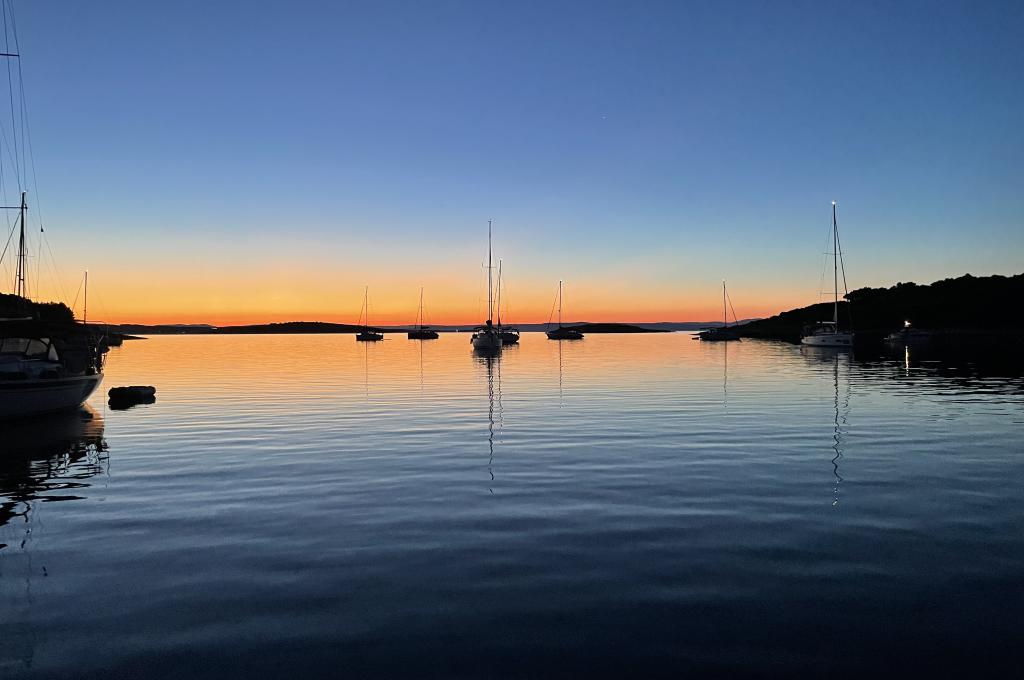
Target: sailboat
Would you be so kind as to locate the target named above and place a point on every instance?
(724, 332)
(827, 333)
(46, 365)
(420, 331)
(563, 332)
(509, 334)
(486, 338)
(366, 335)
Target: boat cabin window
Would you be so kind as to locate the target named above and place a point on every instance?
(13, 345)
(31, 348)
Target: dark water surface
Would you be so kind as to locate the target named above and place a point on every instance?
(306, 506)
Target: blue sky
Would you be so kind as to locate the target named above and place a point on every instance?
(650, 147)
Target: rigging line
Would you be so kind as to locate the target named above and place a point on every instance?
(552, 314)
(26, 139)
(10, 90)
(842, 267)
(77, 293)
(6, 247)
(729, 298)
(53, 260)
(7, 146)
(54, 271)
(824, 263)
(39, 262)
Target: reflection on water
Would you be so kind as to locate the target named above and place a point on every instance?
(657, 505)
(835, 356)
(839, 423)
(42, 461)
(48, 459)
(492, 363)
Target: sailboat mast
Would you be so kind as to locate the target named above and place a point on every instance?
(725, 315)
(835, 265)
(498, 305)
(366, 308)
(85, 313)
(559, 304)
(19, 277)
(421, 307)
(490, 298)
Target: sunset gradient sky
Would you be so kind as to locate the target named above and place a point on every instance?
(234, 162)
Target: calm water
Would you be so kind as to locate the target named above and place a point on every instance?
(297, 506)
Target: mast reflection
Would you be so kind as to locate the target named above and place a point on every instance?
(495, 411)
(48, 459)
(838, 428)
(840, 406)
(725, 375)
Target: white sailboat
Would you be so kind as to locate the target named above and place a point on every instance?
(724, 332)
(487, 338)
(367, 335)
(827, 333)
(420, 330)
(563, 332)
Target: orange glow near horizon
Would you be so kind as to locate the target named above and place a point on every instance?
(392, 304)
(455, 293)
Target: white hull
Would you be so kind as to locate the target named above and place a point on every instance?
(828, 340)
(488, 342)
(25, 398)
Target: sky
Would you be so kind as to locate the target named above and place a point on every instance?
(243, 162)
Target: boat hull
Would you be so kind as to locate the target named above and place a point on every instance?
(486, 342)
(369, 337)
(718, 335)
(422, 335)
(27, 398)
(828, 340)
(562, 333)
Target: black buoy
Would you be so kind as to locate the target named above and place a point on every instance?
(125, 397)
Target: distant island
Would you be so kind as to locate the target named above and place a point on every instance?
(967, 305)
(309, 327)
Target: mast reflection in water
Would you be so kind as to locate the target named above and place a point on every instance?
(48, 459)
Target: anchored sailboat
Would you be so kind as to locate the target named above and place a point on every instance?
(487, 338)
(724, 332)
(563, 332)
(827, 333)
(46, 365)
(367, 335)
(421, 331)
